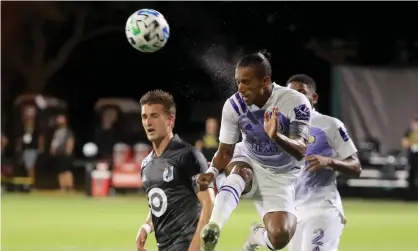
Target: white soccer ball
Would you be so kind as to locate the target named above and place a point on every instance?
(147, 30)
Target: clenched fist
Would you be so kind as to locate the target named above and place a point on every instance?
(204, 180)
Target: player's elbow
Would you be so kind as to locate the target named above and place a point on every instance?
(356, 170)
(355, 166)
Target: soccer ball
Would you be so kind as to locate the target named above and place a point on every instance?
(147, 30)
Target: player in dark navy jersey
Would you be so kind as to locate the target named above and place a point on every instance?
(178, 210)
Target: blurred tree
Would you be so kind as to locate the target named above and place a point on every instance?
(40, 36)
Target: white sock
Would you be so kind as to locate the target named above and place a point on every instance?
(227, 199)
(261, 238)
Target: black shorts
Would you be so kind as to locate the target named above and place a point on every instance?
(63, 163)
(176, 247)
(180, 244)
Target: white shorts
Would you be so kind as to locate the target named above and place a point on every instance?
(320, 232)
(271, 192)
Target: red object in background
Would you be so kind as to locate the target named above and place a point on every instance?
(100, 180)
(127, 168)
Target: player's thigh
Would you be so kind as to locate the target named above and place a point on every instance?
(322, 232)
(295, 243)
(275, 203)
(240, 164)
(276, 192)
(242, 169)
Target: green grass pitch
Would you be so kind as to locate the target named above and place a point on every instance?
(39, 222)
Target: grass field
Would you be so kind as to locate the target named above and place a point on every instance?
(76, 223)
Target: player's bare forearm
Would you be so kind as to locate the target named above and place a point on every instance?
(350, 166)
(295, 146)
(223, 156)
(149, 220)
(207, 200)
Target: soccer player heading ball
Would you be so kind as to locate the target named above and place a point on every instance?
(274, 122)
(178, 210)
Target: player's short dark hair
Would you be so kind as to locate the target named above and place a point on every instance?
(305, 79)
(159, 97)
(260, 61)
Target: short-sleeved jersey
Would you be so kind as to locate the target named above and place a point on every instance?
(328, 137)
(170, 183)
(294, 109)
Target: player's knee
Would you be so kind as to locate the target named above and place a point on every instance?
(280, 229)
(279, 237)
(243, 170)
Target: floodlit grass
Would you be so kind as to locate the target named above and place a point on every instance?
(39, 222)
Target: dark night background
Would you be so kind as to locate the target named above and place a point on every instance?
(206, 38)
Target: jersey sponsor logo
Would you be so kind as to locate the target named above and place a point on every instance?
(168, 174)
(262, 146)
(302, 112)
(158, 201)
(343, 134)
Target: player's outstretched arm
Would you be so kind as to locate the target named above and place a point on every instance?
(228, 136)
(219, 162)
(143, 233)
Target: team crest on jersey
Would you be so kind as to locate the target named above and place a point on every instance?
(168, 174)
(311, 139)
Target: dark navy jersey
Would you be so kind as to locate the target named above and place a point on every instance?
(170, 183)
